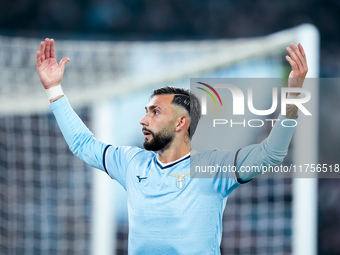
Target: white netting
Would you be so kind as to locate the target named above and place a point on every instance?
(100, 70)
(45, 192)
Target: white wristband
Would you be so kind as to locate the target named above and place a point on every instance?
(54, 92)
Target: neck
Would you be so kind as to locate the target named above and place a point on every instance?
(173, 153)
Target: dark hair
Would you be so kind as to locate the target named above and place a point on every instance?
(185, 99)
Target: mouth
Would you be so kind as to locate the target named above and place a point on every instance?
(147, 134)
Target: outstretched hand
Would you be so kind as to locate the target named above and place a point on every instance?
(50, 73)
(298, 62)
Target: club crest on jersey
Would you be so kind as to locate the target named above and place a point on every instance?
(180, 180)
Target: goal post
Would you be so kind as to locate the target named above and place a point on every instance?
(306, 151)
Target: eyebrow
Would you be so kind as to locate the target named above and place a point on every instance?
(151, 107)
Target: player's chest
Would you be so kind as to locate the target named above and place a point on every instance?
(150, 182)
(158, 181)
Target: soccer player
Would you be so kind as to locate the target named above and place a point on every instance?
(169, 212)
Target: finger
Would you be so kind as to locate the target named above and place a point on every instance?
(292, 63)
(299, 54)
(47, 48)
(304, 59)
(295, 63)
(296, 55)
(63, 63)
(42, 51)
(52, 54)
(38, 59)
(302, 50)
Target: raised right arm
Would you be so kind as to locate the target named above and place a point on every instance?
(78, 137)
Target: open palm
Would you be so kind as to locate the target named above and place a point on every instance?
(50, 73)
(298, 62)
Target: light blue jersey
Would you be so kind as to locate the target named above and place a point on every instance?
(169, 211)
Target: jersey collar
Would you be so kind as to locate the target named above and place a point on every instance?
(170, 164)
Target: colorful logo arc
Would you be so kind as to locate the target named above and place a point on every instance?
(209, 93)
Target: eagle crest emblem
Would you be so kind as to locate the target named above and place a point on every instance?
(180, 179)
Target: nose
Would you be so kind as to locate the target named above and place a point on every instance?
(144, 121)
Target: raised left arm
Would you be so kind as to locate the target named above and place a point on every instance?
(274, 148)
(298, 62)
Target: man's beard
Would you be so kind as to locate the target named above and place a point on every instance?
(160, 140)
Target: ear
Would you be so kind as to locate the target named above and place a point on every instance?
(182, 123)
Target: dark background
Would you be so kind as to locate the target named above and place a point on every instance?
(202, 19)
(173, 19)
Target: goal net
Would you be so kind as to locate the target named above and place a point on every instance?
(52, 203)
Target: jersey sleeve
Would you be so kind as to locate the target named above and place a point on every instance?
(111, 159)
(227, 181)
(78, 137)
(116, 161)
(271, 151)
(218, 168)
